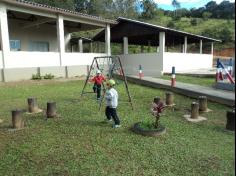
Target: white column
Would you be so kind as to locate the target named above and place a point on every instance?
(81, 48)
(5, 42)
(162, 42)
(4, 35)
(185, 44)
(67, 42)
(108, 40)
(212, 48)
(162, 45)
(125, 45)
(60, 37)
(200, 46)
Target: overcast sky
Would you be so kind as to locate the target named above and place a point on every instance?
(166, 4)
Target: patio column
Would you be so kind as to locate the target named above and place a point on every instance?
(108, 40)
(200, 46)
(125, 45)
(185, 44)
(61, 37)
(212, 48)
(80, 44)
(162, 42)
(4, 36)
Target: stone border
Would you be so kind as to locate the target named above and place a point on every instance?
(153, 133)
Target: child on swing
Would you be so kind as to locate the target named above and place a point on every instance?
(98, 80)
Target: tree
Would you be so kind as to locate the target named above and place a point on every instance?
(176, 6)
(149, 8)
(206, 15)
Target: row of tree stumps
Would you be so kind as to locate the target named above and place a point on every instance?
(201, 107)
(18, 121)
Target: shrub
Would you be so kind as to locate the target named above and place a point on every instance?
(194, 22)
(36, 76)
(49, 76)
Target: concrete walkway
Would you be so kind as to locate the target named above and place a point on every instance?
(190, 90)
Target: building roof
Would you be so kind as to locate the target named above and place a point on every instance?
(51, 9)
(140, 33)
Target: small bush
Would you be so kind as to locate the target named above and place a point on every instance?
(36, 76)
(49, 76)
(194, 22)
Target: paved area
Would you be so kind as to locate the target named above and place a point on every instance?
(190, 90)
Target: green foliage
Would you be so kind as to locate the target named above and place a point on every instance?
(171, 24)
(36, 76)
(194, 22)
(49, 76)
(206, 15)
(149, 8)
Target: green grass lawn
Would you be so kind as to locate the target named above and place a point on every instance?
(208, 82)
(78, 143)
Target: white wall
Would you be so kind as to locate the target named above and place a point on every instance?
(72, 59)
(1, 64)
(152, 64)
(186, 61)
(24, 59)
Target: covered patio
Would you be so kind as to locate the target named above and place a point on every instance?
(172, 48)
(37, 38)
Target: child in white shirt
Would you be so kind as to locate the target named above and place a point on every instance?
(111, 97)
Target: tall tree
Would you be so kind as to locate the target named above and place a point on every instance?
(176, 6)
(149, 8)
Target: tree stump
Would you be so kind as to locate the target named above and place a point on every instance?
(194, 110)
(51, 110)
(230, 120)
(203, 104)
(32, 105)
(17, 119)
(169, 99)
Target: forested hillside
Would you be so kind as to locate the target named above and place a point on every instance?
(212, 20)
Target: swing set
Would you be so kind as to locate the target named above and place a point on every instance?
(110, 66)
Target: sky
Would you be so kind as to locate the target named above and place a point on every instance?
(166, 4)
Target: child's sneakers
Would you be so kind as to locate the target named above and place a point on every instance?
(107, 120)
(116, 126)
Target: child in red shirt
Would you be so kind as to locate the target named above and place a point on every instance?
(98, 80)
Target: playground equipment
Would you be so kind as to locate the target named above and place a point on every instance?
(33, 106)
(51, 110)
(173, 77)
(225, 72)
(169, 99)
(110, 66)
(203, 104)
(17, 119)
(230, 120)
(194, 114)
(140, 72)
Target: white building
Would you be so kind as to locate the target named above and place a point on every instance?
(36, 38)
(139, 34)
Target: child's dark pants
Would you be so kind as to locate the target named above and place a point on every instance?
(111, 113)
(97, 89)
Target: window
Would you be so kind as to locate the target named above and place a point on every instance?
(15, 45)
(39, 46)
